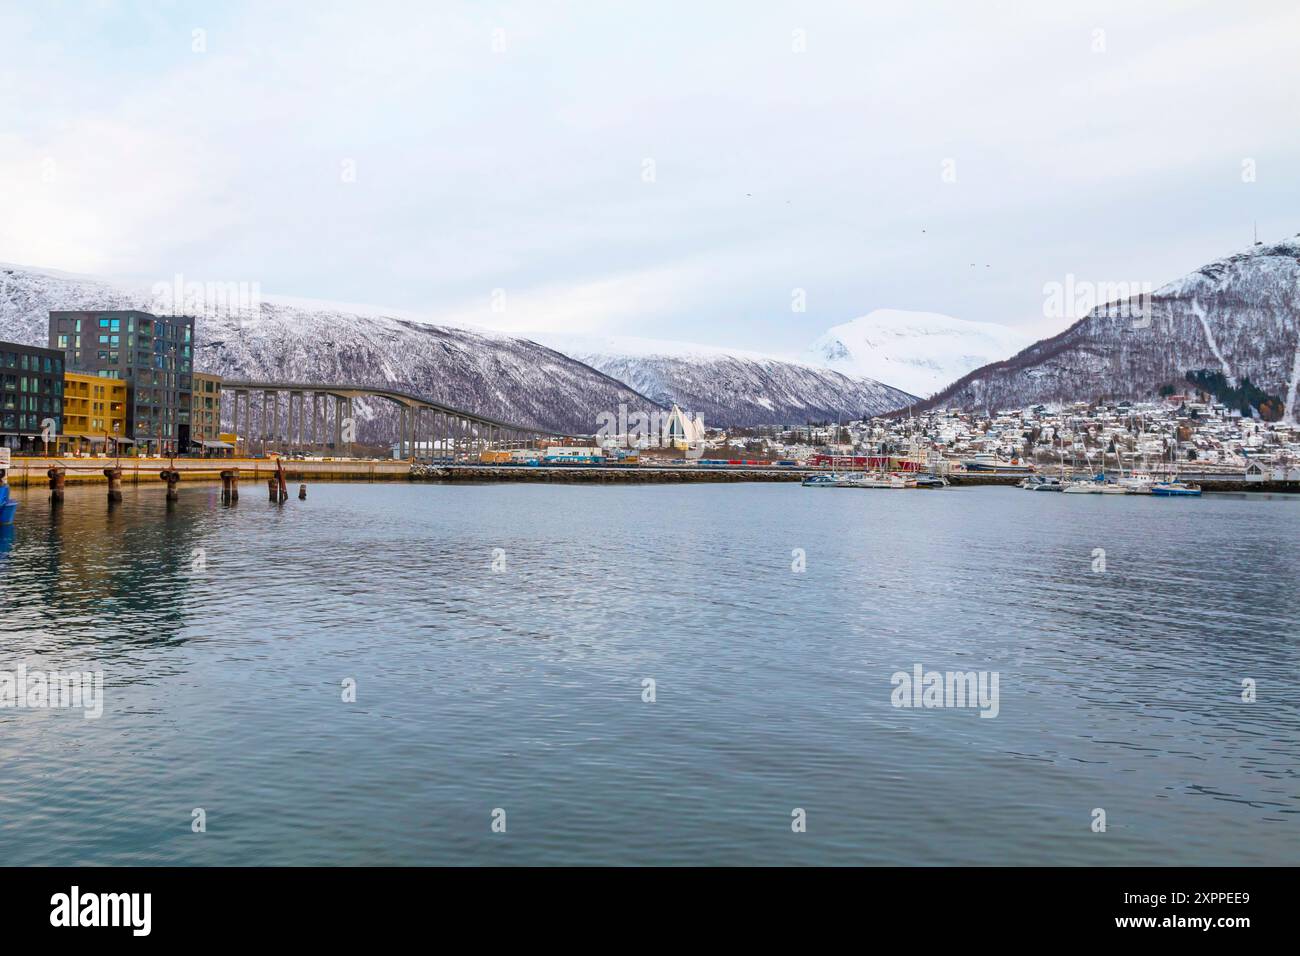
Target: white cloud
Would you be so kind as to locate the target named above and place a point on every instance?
(521, 170)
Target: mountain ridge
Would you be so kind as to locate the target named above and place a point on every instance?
(1239, 315)
(495, 375)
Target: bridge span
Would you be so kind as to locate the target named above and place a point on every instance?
(299, 417)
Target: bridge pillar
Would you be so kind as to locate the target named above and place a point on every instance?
(273, 397)
(241, 420)
(352, 426)
(317, 439)
(338, 424)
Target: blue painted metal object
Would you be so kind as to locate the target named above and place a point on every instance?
(7, 506)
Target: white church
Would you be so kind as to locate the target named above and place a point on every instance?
(682, 431)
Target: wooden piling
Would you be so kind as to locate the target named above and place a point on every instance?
(114, 476)
(230, 486)
(302, 492)
(56, 476)
(273, 490)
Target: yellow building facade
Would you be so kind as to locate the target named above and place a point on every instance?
(205, 408)
(94, 409)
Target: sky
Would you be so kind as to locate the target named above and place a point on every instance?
(742, 174)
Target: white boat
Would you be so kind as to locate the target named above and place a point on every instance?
(1041, 483)
(861, 480)
(880, 480)
(986, 461)
(1082, 486)
(1137, 484)
(848, 480)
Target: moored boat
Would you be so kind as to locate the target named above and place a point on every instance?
(826, 481)
(1137, 484)
(1175, 489)
(987, 462)
(1083, 486)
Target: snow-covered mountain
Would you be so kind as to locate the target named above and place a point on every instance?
(507, 378)
(1238, 316)
(919, 352)
(731, 386)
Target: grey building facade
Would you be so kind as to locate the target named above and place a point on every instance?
(31, 394)
(153, 354)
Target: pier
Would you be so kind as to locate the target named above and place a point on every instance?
(37, 471)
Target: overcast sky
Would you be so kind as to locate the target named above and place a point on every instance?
(665, 169)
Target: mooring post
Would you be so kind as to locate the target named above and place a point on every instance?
(273, 490)
(230, 486)
(171, 476)
(56, 484)
(114, 476)
(302, 492)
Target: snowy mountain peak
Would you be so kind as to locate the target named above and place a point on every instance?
(919, 352)
(1237, 317)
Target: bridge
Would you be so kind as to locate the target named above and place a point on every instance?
(309, 423)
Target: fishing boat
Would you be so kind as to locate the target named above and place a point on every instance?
(1175, 489)
(926, 480)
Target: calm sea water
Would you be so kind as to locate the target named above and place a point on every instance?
(225, 635)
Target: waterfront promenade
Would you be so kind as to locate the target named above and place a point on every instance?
(33, 471)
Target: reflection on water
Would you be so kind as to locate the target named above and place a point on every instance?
(225, 634)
